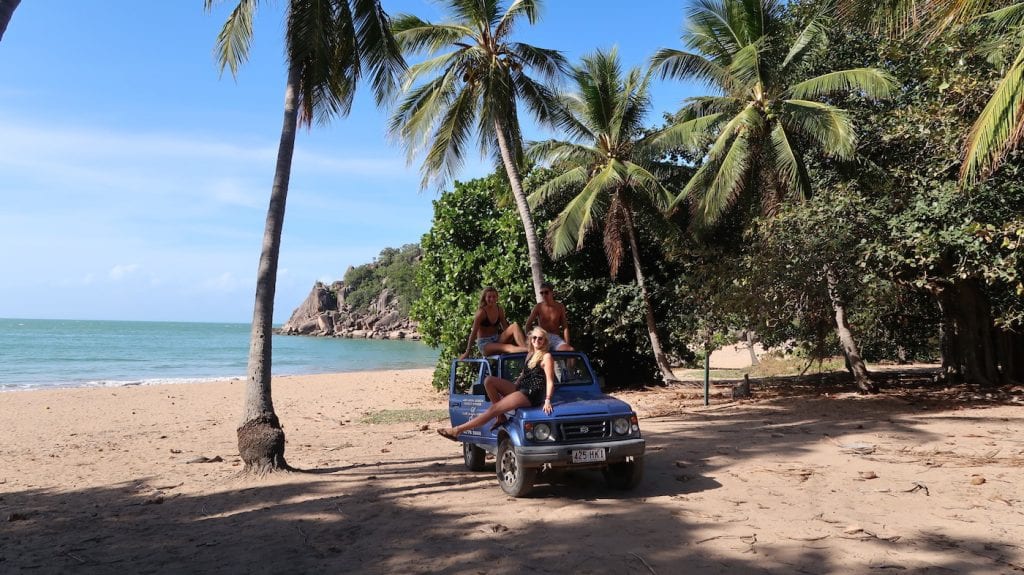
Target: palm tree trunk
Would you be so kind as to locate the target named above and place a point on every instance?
(7, 8)
(855, 363)
(515, 181)
(260, 437)
(659, 356)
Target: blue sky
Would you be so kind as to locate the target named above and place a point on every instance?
(134, 179)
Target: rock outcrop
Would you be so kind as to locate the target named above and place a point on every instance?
(325, 313)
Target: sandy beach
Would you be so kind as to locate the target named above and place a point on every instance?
(797, 479)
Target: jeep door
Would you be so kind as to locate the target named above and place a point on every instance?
(467, 397)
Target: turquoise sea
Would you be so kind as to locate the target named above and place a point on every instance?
(81, 353)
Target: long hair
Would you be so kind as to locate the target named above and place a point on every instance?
(531, 350)
(483, 295)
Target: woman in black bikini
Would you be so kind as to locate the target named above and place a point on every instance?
(533, 387)
(491, 331)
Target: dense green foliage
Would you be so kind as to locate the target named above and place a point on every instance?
(394, 270)
(884, 235)
(473, 244)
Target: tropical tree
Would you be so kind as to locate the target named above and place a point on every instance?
(999, 128)
(7, 8)
(765, 117)
(328, 45)
(476, 86)
(606, 165)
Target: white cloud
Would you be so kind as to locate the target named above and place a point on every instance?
(121, 271)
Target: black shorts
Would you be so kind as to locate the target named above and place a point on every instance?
(536, 396)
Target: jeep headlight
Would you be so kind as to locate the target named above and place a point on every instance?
(621, 426)
(542, 432)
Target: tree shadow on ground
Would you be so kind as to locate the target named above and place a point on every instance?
(430, 515)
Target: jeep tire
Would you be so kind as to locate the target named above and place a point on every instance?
(513, 478)
(625, 475)
(473, 456)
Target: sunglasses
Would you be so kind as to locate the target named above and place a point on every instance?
(544, 292)
(537, 338)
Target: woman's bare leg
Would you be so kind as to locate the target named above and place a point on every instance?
(514, 400)
(514, 333)
(498, 388)
(495, 347)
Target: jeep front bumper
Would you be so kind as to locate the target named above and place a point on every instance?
(560, 455)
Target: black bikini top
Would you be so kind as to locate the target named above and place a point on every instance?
(486, 322)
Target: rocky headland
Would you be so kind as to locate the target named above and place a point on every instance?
(325, 313)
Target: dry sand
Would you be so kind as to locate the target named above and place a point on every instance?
(798, 479)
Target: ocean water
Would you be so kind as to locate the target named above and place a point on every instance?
(81, 353)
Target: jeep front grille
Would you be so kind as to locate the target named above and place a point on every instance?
(584, 430)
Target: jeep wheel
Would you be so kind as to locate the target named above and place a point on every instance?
(625, 475)
(473, 456)
(512, 476)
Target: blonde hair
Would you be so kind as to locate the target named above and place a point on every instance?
(536, 357)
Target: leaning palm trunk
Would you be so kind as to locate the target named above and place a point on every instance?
(659, 355)
(7, 8)
(260, 437)
(849, 345)
(516, 183)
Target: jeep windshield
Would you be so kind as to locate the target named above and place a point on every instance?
(570, 368)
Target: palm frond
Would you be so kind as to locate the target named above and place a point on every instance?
(447, 153)
(572, 179)
(378, 48)
(680, 65)
(871, 82)
(787, 163)
(813, 37)
(1009, 17)
(556, 152)
(450, 60)
(999, 127)
(745, 68)
(519, 8)
(235, 38)
(640, 179)
(539, 99)
(416, 115)
(570, 228)
(691, 135)
(416, 35)
(550, 64)
(828, 127)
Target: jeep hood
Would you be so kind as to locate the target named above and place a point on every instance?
(573, 405)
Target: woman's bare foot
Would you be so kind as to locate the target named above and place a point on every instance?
(448, 433)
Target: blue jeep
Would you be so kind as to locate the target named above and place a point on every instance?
(587, 428)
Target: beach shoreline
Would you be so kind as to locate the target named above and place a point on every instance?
(145, 479)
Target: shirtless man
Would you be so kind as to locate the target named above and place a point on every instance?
(550, 315)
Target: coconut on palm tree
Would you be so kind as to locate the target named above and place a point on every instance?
(755, 132)
(605, 167)
(329, 46)
(473, 79)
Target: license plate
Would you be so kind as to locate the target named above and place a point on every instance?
(587, 455)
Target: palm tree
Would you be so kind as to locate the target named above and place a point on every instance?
(476, 86)
(763, 118)
(764, 121)
(605, 167)
(328, 43)
(999, 128)
(7, 8)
